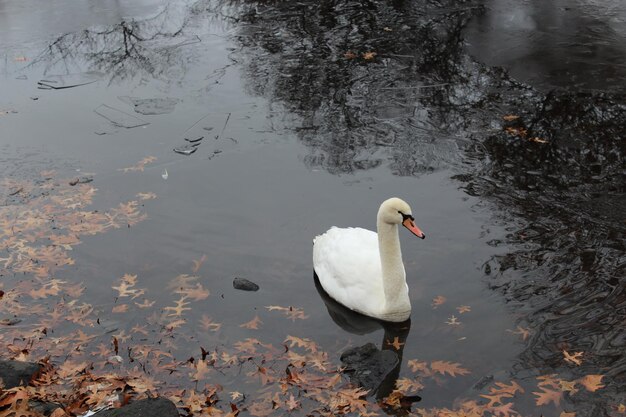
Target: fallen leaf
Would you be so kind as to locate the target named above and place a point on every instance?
(453, 321)
(407, 385)
(145, 304)
(573, 358)
(305, 343)
(510, 117)
(208, 324)
(179, 309)
(369, 55)
(395, 343)
(197, 264)
(196, 293)
(463, 309)
(59, 412)
(293, 313)
(495, 399)
(252, 324)
(121, 308)
(521, 331)
(503, 388)
(418, 366)
(592, 382)
(292, 404)
(445, 367)
(547, 395)
(201, 370)
(139, 166)
(516, 131)
(568, 386)
(146, 196)
(349, 55)
(438, 300)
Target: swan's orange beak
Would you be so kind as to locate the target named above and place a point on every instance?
(410, 224)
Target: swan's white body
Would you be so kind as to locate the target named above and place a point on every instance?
(363, 270)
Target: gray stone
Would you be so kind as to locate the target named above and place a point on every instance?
(15, 373)
(244, 284)
(149, 407)
(368, 367)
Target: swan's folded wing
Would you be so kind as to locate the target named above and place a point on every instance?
(347, 263)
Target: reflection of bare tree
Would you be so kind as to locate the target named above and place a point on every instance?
(423, 104)
(131, 48)
(569, 266)
(357, 113)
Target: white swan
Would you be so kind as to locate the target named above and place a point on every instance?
(363, 270)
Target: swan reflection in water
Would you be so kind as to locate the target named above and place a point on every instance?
(395, 335)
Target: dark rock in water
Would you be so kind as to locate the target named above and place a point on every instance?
(150, 407)
(368, 367)
(9, 321)
(81, 180)
(244, 284)
(15, 373)
(43, 408)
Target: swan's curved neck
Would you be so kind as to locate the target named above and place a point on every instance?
(394, 278)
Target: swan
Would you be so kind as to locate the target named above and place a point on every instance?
(363, 270)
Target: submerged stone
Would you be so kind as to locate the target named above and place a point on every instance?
(244, 285)
(15, 373)
(368, 367)
(149, 407)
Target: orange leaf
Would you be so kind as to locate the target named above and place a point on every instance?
(417, 366)
(438, 300)
(292, 404)
(463, 309)
(445, 367)
(369, 55)
(396, 343)
(59, 412)
(547, 395)
(252, 324)
(592, 382)
(121, 308)
(521, 331)
(573, 358)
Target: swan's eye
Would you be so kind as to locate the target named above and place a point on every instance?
(405, 216)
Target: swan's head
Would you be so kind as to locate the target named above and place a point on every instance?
(397, 211)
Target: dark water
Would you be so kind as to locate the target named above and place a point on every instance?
(525, 226)
(577, 45)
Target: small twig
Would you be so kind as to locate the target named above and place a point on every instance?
(224, 127)
(417, 86)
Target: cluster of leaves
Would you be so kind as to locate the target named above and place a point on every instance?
(46, 218)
